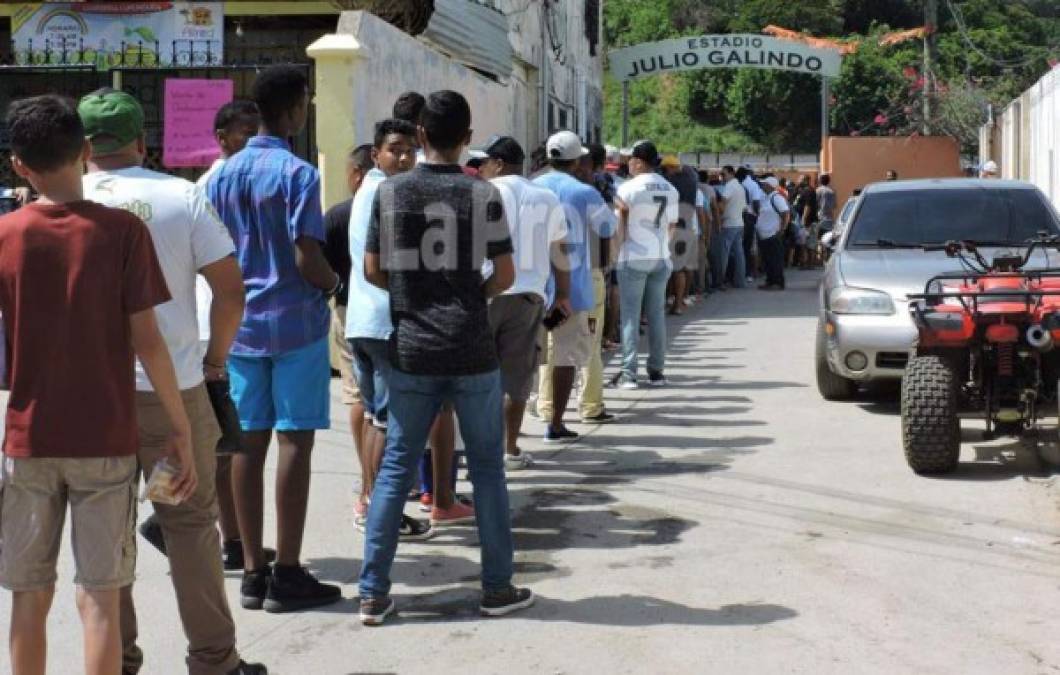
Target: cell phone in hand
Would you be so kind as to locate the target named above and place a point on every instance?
(555, 318)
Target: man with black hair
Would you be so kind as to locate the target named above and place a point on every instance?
(233, 125)
(729, 248)
(755, 197)
(79, 283)
(538, 228)
(431, 230)
(826, 203)
(570, 344)
(591, 404)
(409, 107)
(270, 201)
(337, 252)
(368, 325)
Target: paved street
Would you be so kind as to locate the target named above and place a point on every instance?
(730, 523)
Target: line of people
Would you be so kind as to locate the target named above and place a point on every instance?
(452, 290)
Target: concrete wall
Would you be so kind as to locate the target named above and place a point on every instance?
(855, 162)
(1024, 139)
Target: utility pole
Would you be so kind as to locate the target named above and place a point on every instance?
(931, 24)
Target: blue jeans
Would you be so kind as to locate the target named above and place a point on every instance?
(643, 284)
(371, 366)
(414, 403)
(730, 243)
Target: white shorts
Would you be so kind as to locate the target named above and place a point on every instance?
(570, 344)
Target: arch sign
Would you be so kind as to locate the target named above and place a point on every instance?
(722, 51)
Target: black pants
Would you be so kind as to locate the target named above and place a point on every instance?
(749, 236)
(772, 251)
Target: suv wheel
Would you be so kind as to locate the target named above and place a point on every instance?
(832, 386)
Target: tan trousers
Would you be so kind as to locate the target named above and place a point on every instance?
(592, 395)
(192, 542)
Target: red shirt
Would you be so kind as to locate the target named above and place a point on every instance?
(70, 276)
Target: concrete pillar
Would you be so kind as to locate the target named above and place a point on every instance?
(335, 56)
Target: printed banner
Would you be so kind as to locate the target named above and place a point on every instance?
(107, 34)
(187, 130)
(722, 51)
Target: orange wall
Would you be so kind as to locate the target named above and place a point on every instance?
(857, 161)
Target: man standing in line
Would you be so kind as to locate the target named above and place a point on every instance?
(826, 202)
(78, 286)
(570, 343)
(189, 240)
(772, 223)
(234, 124)
(270, 201)
(538, 229)
(337, 253)
(733, 202)
(368, 326)
(430, 232)
(649, 208)
(754, 197)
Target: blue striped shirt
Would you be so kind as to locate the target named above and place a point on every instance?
(269, 198)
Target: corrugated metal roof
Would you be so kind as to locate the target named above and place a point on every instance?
(473, 33)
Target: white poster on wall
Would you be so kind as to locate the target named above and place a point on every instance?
(108, 34)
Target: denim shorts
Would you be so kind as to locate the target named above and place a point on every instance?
(286, 392)
(371, 367)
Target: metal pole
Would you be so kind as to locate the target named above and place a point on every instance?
(625, 114)
(931, 20)
(825, 96)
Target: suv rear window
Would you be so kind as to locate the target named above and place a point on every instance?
(1003, 216)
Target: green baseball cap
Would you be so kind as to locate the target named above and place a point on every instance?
(115, 116)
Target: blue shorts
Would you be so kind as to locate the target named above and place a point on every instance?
(371, 367)
(286, 392)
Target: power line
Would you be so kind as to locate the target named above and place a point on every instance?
(962, 28)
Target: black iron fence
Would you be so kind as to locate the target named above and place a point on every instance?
(142, 70)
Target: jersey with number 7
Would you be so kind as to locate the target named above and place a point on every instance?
(653, 208)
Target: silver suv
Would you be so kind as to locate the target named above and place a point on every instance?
(864, 331)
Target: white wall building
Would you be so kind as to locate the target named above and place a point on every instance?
(528, 67)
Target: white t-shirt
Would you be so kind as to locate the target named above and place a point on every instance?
(654, 205)
(203, 294)
(536, 220)
(754, 194)
(735, 202)
(773, 207)
(188, 235)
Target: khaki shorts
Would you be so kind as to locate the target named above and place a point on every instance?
(340, 346)
(34, 494)
(516, 322)
(570, 344)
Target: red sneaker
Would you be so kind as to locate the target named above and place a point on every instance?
(426, 502)
(454, 515)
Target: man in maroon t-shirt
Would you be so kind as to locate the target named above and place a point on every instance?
(78, 287)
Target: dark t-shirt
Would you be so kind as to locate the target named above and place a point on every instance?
(70, 276)
(337, 245)
(686, 182)
(807, 198)
(433, 227)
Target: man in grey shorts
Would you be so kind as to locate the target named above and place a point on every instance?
(538, 227)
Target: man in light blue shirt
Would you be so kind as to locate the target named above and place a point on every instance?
(570, 343)
(368, 323)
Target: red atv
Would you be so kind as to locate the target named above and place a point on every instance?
(985, 347)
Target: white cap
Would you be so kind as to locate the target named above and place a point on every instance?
(772, 182)
(990, 167)
(612, 153)
(565, 146)
(626, 152)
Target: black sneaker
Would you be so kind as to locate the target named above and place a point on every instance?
(656, 378)
(151, 530)
(506, 601)
(254, 588)
(232, 555)
(414, 530)
(374, 611)
(245, 668)
(602, 418)
(294, 588)
(560, 435)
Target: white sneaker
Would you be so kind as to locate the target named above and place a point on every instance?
(524, 460)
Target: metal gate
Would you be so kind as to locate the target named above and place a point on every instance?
(143, 80)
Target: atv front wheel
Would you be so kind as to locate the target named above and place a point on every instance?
(831, 386)
(931, 430)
